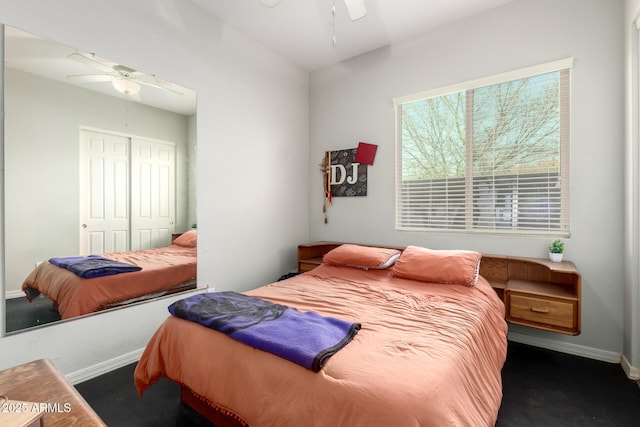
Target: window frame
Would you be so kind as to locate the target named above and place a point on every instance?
(563, 66)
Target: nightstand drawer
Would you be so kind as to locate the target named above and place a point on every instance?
(541, 310)
(308, 264)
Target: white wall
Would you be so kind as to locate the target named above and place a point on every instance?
(631, 345)
(252, 149)
(351, 102)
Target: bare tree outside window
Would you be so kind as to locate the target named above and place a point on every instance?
(485, 158)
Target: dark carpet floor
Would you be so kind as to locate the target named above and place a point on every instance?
(540, 387)
(22, 314)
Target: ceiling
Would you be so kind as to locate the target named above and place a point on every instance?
(302, 30)
(41, 57)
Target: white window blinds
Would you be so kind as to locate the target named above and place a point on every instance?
(487, 155)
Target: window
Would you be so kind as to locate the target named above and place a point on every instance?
(487, 155)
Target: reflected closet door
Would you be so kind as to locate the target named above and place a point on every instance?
(153, 193)
(104, 193)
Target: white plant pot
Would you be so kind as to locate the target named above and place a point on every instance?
(555, 257)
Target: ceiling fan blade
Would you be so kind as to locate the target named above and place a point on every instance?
(153, 81)
(158, 86)
(90, 78)
(269, 3)
(90, 62)
(356, 8)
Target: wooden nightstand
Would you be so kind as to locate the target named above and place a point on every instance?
(310, 255)
(537, 292)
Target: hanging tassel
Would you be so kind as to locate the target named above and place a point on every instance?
(329, 196)
(325, 167)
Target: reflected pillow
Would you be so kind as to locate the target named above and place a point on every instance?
(365, 257)
(188, 239)
(458, 267)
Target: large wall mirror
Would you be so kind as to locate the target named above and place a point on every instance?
(99, 159)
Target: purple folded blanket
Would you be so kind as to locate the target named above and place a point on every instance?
(305, 338)
(92, 266)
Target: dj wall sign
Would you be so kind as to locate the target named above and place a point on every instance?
(348, 178)
(344, 173)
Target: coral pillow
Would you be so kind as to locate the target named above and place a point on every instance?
(440, 266)
(365, 257)
(187, 239)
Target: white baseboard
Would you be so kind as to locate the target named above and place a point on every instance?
(13, 294)
(104, 367)
(632, 372)
(565, 347)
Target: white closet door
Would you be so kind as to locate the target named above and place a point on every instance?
(153, 188)
(104, 193)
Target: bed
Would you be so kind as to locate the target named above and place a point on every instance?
(429, 352)
(163, 271)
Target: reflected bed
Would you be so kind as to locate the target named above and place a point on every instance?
(164, 270)
(427, 353)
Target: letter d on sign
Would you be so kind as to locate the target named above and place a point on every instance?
(334, 174)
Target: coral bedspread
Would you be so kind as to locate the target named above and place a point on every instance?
(427, 355)
(162, 269)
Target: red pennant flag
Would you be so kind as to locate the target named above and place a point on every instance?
(365, 153)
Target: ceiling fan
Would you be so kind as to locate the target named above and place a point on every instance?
(356, 8)
(124, 79)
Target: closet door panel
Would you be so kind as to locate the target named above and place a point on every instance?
(153, 190)
(104, 192)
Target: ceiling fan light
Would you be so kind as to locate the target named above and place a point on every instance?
(356, 8)
(125, 86)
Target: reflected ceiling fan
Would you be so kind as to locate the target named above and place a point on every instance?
(356, 8)
(124, 79)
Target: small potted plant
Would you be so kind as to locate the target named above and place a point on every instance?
(556, 248)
